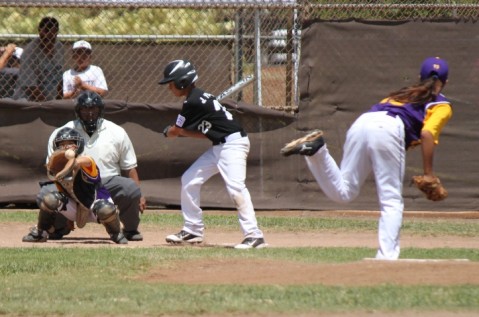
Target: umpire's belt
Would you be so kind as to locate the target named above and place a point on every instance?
(231, 137)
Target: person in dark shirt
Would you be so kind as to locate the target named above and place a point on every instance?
(202, 116)
(40, 76)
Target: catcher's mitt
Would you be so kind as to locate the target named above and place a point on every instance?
(431, 186)
(59, 165)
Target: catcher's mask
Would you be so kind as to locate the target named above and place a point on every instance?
(89, 109)
(181, 72)
(68, 134)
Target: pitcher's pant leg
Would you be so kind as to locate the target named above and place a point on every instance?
(389, 165)
(342, 184)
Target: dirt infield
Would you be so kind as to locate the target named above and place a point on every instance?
(237, 271)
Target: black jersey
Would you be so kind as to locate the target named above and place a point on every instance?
(202, 112)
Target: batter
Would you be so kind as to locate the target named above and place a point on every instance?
(202, 116)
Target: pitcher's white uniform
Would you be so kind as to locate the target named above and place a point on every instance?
(377, 142)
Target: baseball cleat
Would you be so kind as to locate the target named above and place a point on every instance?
(36, 235)
(250, 243)
(183, 236)
(133, 235)
(118, 238)
(307, 145)
(58, 234)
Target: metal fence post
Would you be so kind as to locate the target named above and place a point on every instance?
(238, 50)
(257, 66)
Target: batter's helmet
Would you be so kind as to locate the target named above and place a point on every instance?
(181, 72)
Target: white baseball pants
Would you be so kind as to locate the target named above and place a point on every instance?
(72, 207)
(374, 143)
(228, 159)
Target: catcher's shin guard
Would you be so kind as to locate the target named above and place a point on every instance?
(46, 220)
(53, 201)
(107, 215)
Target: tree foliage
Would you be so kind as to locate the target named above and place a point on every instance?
(117, 21)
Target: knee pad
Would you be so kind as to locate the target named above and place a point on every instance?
(53, 201)
(108, 216)
(104, 210)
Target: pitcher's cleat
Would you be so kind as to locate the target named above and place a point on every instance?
(307, 145)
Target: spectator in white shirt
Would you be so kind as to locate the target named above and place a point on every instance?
(83, 76)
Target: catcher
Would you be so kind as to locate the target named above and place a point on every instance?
(377, 142)
(79, 196)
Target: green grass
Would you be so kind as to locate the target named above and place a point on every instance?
(104, 281)
(420, 226)
(111, 281)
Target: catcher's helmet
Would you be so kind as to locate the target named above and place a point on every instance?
(69, 134)
(89, 99)
(181, 72)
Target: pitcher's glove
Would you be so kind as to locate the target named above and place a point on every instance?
(59, 166)
(431, 187)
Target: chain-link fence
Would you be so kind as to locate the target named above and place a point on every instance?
(372, 10)
(227, 41)
(132, 41)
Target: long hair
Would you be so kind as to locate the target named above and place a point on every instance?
(420, 93)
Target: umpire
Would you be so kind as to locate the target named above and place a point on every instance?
(109, 145)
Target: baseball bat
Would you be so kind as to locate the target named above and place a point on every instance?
(236, 87)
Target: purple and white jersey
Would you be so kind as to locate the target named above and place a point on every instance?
(412, 115)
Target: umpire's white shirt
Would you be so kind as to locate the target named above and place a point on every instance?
(109, 146)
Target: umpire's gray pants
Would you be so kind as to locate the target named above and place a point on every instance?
(126, 195)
